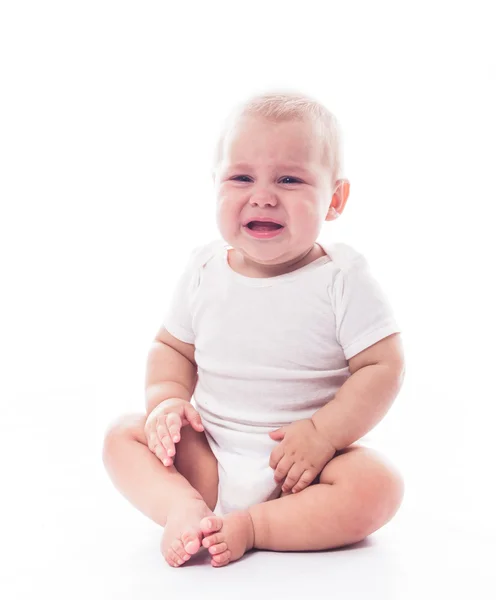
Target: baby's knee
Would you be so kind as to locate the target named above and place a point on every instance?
(125, 427)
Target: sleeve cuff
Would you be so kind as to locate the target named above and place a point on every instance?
(179, 332)
(370, 339)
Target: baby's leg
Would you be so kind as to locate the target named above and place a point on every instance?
(358, 492)
(179, 495)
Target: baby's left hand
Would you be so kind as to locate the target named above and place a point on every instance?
(301, 455)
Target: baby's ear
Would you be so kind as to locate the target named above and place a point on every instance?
(342, 190)
(332, 214)
(339, 199)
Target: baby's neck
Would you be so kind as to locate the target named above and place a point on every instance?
(249, 269)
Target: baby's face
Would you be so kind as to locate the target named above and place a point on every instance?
(272, 170)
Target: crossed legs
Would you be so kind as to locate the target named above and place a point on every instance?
(357, 492)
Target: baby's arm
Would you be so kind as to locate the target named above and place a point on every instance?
(171, 370)
(366, 396)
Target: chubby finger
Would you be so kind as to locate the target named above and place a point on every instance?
(165, 437)
(305, 480)
(163, 456)
(193, 417)
(173, 422)
(155, 445)
(282, 468)
(275, 456)
(292, 477)
(153, 440)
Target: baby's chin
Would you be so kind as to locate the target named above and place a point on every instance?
(269, 252)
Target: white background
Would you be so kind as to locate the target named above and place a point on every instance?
(109, 116)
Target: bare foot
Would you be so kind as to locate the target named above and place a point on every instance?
(183, 535)
(228, 537)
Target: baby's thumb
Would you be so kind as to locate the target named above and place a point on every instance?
(194, 418)
(277, 434)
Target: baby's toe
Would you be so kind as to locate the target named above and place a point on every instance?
(178, 547)
(218, 548)
(216, 538)
(219, 560)
(191, 542)
(210, 524)
(173, 559)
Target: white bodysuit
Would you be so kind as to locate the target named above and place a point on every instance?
(270, 351)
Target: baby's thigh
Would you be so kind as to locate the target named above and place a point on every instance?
(196, 462)
(193, 460)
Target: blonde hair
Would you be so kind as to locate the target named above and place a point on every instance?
(290, 106)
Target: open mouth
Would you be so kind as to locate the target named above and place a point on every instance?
(263, 226)
(263, 230)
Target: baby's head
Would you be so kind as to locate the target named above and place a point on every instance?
(278, 158)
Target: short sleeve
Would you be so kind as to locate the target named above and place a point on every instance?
(178, 317)
(364, 315)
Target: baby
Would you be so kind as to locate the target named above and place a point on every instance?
(276, 355)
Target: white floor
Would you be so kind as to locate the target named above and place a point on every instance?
(67, 532)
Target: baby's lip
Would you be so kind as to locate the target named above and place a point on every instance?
(263, 220)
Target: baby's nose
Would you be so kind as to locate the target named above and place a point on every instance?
(263, 199)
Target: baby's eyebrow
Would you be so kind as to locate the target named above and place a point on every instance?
(286, 166)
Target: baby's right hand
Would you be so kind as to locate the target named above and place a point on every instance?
(163, 425)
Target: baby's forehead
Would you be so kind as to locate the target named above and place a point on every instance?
(248, 139)
(298, 137)
(301, 167)
(309, 157)
(275, 127)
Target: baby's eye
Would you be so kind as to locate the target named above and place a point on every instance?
(293, 180)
